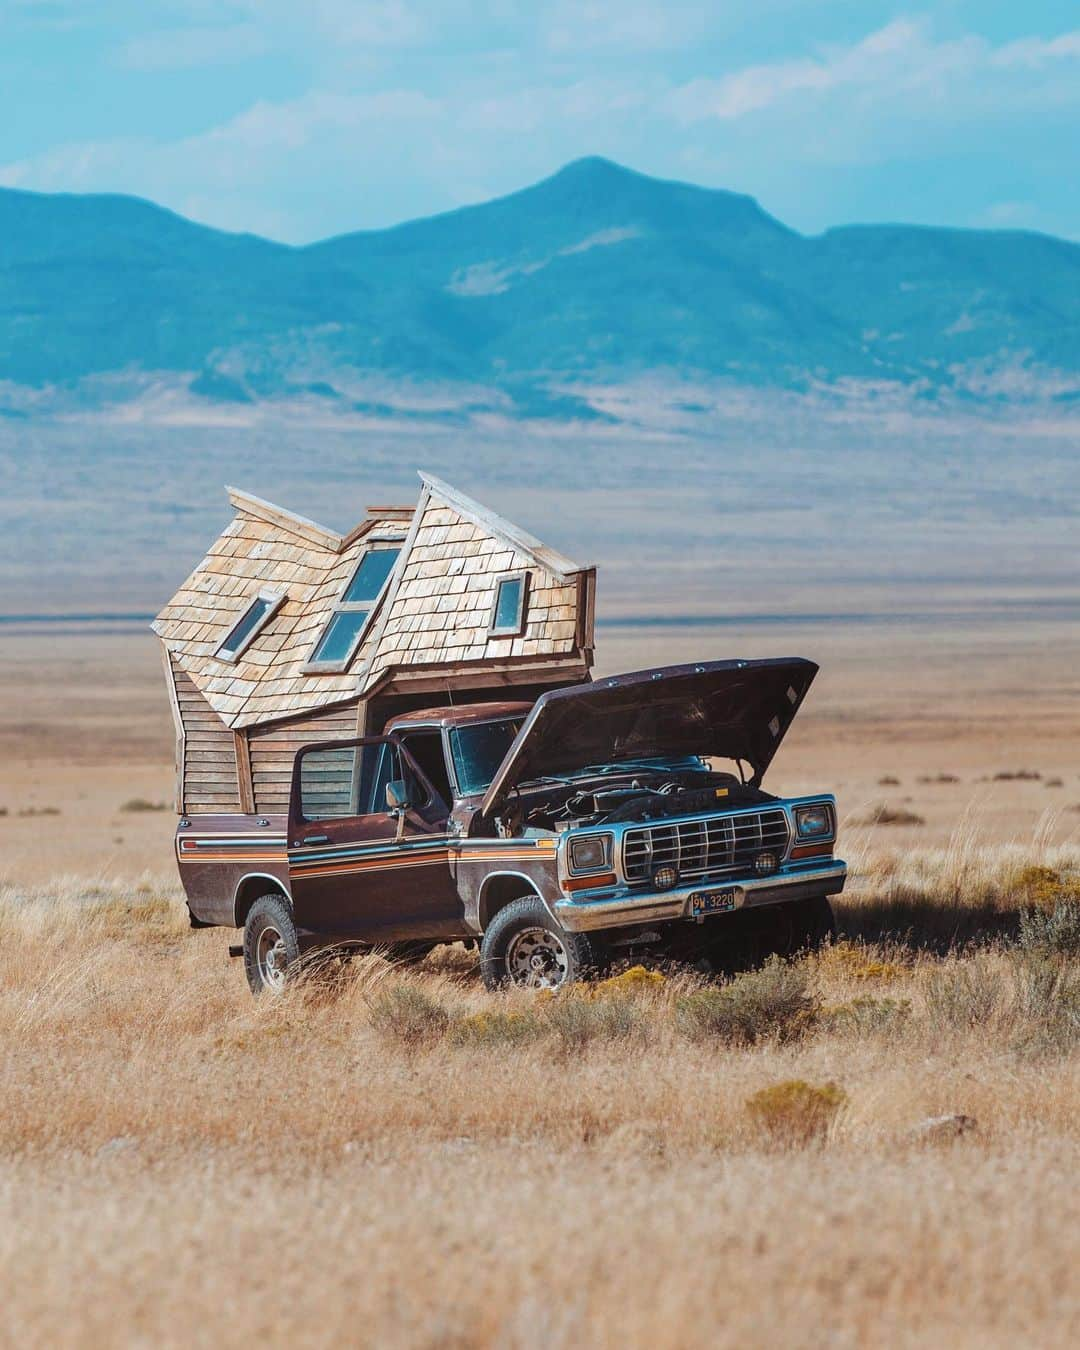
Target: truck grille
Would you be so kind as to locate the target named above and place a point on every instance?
(710, 844)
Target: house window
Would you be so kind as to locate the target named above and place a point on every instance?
(254, 619)
(341, 636)
(508, 611)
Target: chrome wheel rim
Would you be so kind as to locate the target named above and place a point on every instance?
(272, 958)
(537, 959)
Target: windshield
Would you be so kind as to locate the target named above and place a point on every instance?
(479, 750)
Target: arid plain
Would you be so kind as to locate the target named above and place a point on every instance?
(397, 1158)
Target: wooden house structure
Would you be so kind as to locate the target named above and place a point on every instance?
(288, 633)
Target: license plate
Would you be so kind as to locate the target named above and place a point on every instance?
(714, 902)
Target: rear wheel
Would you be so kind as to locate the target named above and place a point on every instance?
(271, 947)
(525, 947)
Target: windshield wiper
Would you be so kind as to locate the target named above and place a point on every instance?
(635, 766)
(543, 778)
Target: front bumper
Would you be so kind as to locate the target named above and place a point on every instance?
(616, 909)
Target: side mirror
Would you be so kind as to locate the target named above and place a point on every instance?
(397, 795)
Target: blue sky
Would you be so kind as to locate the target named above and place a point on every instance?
(304, 118)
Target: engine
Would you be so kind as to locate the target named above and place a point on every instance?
(643, 798)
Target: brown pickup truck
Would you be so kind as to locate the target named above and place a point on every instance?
(607, 817)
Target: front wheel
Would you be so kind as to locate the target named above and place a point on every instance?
(525, 947)
(271, 947)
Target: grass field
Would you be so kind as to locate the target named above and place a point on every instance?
(390, 1157)
(398, 1159)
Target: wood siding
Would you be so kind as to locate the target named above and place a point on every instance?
(208, 757)
(273, 746)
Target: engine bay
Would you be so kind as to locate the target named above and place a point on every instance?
(636, 796)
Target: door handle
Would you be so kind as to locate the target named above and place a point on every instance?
(317, 839)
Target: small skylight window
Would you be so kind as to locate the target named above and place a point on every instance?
(342, 635)
(257, 615)
(508, 611)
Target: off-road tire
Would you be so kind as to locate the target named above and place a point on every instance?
(573, 955)
(271, 947)
(804, 925)
(749, 937)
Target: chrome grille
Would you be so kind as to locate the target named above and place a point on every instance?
(709, 844)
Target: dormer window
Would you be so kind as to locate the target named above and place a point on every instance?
(511, 601)
(344, 632)
(254, 619)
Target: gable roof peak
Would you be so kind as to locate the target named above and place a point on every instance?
(308, 530)
(513, 535)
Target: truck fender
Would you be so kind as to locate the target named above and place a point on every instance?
(250, 887)
(500, 888)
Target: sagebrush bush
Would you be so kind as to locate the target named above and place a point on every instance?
(856, 961)
(1045, 888)
(773, 1002)
(635, 980)
(578, 1020)
(1056, 930)
(865, 1016)
(795, 1112)
(408, 1015)
(494, 1028)
(964, 995)
(1047, 1005)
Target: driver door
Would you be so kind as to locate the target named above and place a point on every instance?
(358, 869)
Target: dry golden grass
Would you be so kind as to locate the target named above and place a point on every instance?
(398, 1158)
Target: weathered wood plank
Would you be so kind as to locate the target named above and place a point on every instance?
(243, 771)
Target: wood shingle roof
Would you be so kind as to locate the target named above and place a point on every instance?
(435, 610)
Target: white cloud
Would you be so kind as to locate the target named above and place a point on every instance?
(284, 152)
(1036, 53)
(178, 47)
(901, 60)
(576, 25)
(379, 23)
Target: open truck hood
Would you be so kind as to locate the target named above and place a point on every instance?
(727, 709)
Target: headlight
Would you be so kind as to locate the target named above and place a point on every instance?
(813, 822)
(590, 853)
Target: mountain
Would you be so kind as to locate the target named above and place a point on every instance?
(595, 274)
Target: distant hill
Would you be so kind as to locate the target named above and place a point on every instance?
(595, 274)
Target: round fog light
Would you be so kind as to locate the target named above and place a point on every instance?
(665, 876)
(765, 864)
